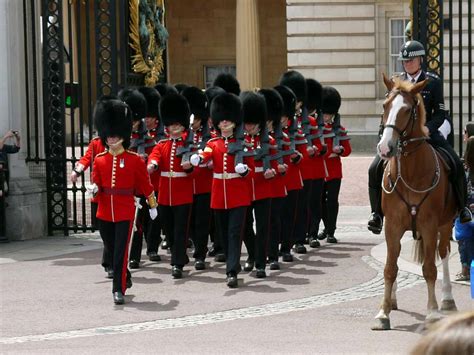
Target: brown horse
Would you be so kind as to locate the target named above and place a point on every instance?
(416, 196)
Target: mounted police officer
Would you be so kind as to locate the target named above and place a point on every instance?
(411, 55)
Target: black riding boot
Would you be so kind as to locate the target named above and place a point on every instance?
(376, 217)
(460, 190)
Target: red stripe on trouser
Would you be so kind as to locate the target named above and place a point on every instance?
(125, 258)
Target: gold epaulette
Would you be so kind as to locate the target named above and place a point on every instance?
(103, 153)
(214, 139)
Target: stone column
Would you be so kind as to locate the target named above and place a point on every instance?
(25, 214)
(248, 45)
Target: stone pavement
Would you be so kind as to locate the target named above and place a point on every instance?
(55, 299)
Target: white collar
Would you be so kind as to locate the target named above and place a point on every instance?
(410, 78)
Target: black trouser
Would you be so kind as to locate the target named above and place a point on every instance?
(107, 255)
(288, 220)
(141, 224)
(256, 243)
(375, 185)
(301, 225)
(331, 204)
(230, 224)
(315, 206)
(200, 222)
(175, 220)
(116, 236)
(275, 227)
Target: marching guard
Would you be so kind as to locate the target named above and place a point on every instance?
(118, 174)
(339, 146)
(175, 193)
(230, 194)
(202, 176)
(95, 147)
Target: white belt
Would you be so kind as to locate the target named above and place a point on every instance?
(226, 176)
(173, 174)
(259, 169)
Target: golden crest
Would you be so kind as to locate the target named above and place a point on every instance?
(148, 38)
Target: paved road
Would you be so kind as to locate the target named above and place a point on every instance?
(55, 298)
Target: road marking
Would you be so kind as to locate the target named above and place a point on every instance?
(371, 288)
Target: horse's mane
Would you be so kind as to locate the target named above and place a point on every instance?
(406, 87)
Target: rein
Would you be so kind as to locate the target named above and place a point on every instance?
(402, 146)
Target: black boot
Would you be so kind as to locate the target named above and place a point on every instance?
(375, 222)
(460, 191)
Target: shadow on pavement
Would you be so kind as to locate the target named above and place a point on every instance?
(147, 306)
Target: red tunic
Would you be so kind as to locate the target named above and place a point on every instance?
(261, 188)
(176, 186)
(229, 189)
(333, 160)
(293, 178)
(119, 177)
(202, 174)
(278, 182)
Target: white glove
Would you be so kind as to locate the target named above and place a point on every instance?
(241, 168)
(269, 173)
(311, 150)
(195, 160)
(151, 167)
(73, 177)
(92, 189)
(153, 213)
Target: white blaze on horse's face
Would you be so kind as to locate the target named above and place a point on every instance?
(387, 144)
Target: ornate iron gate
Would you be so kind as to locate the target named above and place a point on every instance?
(445, 27)
(84, 55)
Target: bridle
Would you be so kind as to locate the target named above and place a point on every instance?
(404, 133)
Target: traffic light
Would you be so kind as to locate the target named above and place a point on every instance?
(71, 93)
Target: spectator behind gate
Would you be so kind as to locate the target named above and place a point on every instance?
(5, 175)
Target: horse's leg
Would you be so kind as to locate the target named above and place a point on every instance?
(394, 295)
(447, 301)
(430, 272)
(392, 237)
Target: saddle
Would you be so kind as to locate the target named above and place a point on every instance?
(447, 160)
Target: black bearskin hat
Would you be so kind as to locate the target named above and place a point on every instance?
(113, 118)
(289, 100)
(315, 90)
(331, 100)
(174, 109)
(228, 82)
(197, 100)
(274, 103)
(212, 92)
(227, 107)
(254, 108)
(165, 89)
(180, 87)
(152, 97)
(296, 82)
(136, 101)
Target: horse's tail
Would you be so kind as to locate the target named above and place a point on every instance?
(442, 249)
(418, 252)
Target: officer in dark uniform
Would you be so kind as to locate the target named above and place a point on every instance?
(411, 54)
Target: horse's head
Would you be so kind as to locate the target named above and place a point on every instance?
(403, 115)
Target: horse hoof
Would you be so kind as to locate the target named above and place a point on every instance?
(433, 317)
(394, 305)
(381, 324)
(448, 305)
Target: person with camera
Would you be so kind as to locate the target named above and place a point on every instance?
(5, 176)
